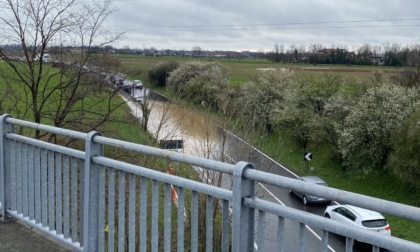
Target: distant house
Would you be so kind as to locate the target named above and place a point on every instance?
(246, 54)
(187, 54)
(377, 59)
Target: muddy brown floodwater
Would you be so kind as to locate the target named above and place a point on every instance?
(169, 121)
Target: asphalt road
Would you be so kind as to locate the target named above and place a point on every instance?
(239, 151)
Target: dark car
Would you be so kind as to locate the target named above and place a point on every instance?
(310, 199)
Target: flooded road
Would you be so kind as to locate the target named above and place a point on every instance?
(169, 121)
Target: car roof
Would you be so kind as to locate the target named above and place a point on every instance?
(365, 214)
(313, 179)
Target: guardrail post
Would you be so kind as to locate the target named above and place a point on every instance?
(91, 194)
(242, 216)
(4, 167)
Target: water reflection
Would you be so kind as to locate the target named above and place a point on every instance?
(169, 121)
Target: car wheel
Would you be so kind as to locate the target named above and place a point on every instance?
(327, 216)
(305, 200)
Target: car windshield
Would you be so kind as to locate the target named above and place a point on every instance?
(374, 223)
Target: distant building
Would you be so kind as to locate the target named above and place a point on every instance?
(377, 59)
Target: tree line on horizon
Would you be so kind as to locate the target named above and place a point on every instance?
(367, 54)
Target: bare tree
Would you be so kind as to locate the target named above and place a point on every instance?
(293, 53)
(365, 52)
(277, 52)
(196, 51)
(74, 31)
(314, 49)
(391, 52)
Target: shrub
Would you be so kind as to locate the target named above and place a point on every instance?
(404, 160)
(201, 82)
(365, 138)
(159, 73)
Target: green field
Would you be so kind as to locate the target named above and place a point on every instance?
(243, 70)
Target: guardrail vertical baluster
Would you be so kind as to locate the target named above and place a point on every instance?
(167, 218)
(181, 220)
(44, 187)
(5, 191)
(324, 245)
(302, 229)
(194, 221)
(51, 191)
(31, 182)
(209, 223)
(24, 180)
(102, 211)
(111, 209)
(59, 193)
(38, 197)
(30, 185)
(132, 214)
(349, 244)
(91, 194)
(18, 182)
(225, 226)
(74, 199)
(13, 174)
(143, 214)
(66, 196)
(242, 216)
(155, 216)
(82, 200)
(280, 234)
(121, 211)
(261, 230)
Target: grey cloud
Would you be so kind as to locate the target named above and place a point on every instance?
(245, 25)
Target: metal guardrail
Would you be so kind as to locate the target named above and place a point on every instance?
(93, 203)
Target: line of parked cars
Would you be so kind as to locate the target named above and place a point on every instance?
(348, 214)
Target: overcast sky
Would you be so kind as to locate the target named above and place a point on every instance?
(260, 24)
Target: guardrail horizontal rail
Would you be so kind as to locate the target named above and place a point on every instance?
(168, 155)
(380, 205)
(322, 223)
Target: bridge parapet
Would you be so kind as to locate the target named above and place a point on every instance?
(91, 202)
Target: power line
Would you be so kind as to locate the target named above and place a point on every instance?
(273, 25)
(272, 28)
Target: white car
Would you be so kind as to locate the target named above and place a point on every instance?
(138, 84)
(359, 217)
